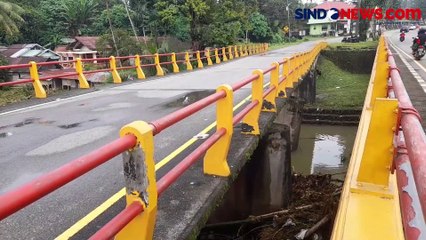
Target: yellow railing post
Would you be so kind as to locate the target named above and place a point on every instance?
(113, 66)
(209, 59)
(231, 56)
(251, 120)
(216, 56)
(236, 51)
(138, 64)
(378, 152)
(82, 81)
(381, 74)
(215, 160)
(293, 72)
(188, 62)
(199, 62)
(225, 59)
(139, 172)
(174, 63)
(282, 88)
(158, 67)
(38, 87)
(269, 101)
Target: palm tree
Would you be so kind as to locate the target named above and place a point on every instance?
(10, 17)
(126, 6)
(78, 14)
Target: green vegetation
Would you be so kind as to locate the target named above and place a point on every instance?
(339, 89)
(199, 22)
(15, 95)
(368, 45)
(293, 41)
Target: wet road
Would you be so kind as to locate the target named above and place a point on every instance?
(413, 72)
(37, 140)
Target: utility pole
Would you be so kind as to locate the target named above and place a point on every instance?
(288, 19)
(358, 21)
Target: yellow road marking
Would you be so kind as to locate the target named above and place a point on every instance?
(117, 196)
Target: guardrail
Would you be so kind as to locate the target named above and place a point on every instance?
(173, 59)
(136, 142)
(390, 139)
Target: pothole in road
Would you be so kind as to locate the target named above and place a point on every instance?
(68, 126)
(189, 98)
(5, 134)
(27, 121)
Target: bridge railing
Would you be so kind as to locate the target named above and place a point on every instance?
(136, 144)
(390, 139)
(410, 156)
(137, 62)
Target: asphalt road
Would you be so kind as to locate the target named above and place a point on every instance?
(39, 139)
(413, 72)
(403, 49)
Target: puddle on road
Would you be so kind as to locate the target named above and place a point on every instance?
(189, 98)
(27, 121)
(68, 126)
(5, 134)
(324, 149)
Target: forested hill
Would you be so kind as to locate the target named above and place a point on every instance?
(208, 22)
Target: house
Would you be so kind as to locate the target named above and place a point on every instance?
(82, 47)
(329, 26)
(25, 53)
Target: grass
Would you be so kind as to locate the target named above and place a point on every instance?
(275, 46)
(14, 95)
(339, 89)
(353, 46)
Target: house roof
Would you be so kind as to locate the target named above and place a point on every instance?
(28, 51)
(89, 42)
(337, 5)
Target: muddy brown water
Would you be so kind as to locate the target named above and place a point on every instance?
(324, 149)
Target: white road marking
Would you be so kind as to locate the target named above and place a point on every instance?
(409, 66)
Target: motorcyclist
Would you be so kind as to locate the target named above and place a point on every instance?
(420, 35)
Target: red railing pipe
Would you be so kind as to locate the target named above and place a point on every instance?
(114, 226)
(411, 211)
(4, 84)
(244, 82)
(21, 197)
(168, 120)
(179, 169)
(414, 135)
(268, 70)
(14, 66)
(238, 117)
(58, 76)
(55, 63)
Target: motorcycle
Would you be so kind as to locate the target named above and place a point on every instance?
(418, 49)
(401, 37)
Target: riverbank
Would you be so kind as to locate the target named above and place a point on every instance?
(344, 70)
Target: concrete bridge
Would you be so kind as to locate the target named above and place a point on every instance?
(383, 196)
(41, 138)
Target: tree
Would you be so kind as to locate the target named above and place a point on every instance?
(78, 14)
(124, 42)
(261, 30)
(10, 17)
(126, 6)
(195, 10)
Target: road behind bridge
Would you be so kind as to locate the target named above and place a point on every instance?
(39, 139)
(413, 72)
